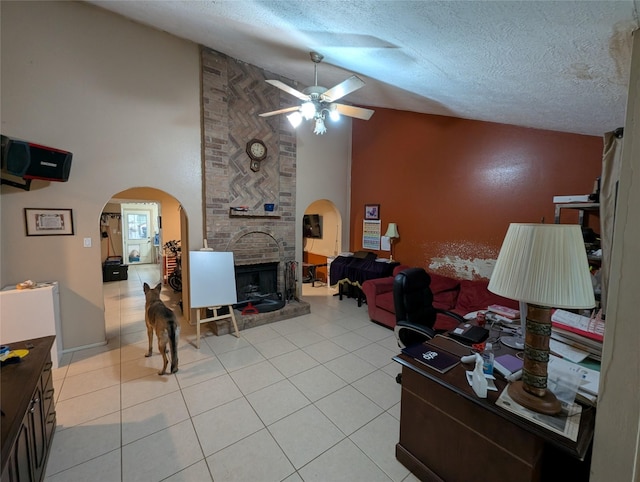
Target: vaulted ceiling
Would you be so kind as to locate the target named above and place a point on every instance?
(558, 65)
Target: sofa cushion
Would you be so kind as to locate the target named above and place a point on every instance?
(441, 283)
(445, 300)
(385, 301)
(445, 291)
(475, 295)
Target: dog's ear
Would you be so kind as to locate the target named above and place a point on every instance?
(158, 287)
(146, 287)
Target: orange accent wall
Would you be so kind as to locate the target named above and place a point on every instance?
(454, 185)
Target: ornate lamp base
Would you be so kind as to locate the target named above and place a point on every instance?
(531, 392)
(547, 404)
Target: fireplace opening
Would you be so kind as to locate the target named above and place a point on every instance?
(257, 288)
(257, 281)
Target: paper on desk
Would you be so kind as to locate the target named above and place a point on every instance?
(589, 379)
(566, 351)
(491, 384)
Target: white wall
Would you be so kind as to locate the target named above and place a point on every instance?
(324, 173)
(616, 453)
(124, 99)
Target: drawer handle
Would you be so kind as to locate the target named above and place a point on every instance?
(47, 366)
(33, 404)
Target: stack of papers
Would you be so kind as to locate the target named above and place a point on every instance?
(582, 325)
(578, 332)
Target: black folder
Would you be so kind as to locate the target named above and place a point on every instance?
(469, 334)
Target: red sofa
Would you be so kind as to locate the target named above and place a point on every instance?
(458, 296)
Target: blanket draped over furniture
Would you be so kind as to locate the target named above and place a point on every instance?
(458, 296)
(350, 272)
(359, 270)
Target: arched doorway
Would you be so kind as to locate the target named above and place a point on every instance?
(321, 236)
(140, 216)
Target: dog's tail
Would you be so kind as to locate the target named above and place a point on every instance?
(174, 333)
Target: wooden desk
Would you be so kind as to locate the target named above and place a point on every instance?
(311, 272)
(447, 433)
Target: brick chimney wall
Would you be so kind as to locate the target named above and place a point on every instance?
(233, 94)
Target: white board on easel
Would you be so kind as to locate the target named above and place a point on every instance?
(212, 281)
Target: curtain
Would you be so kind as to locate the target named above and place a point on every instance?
(611, 156)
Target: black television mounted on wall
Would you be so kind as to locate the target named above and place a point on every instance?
(312, 226)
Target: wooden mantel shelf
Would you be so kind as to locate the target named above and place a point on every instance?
(253, 214)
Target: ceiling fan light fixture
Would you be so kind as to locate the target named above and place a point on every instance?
(308, 110)
(320, 127)
(295, 119)
(318, 102)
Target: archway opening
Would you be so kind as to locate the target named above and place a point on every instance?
(135, 226)
(322, 241)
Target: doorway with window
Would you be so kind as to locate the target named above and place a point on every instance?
(141, 233)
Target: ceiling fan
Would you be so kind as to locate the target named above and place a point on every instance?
(320, 101)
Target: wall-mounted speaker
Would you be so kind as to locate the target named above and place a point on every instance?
(33, 161)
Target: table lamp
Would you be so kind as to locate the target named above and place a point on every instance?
(545, 266)
(392, 233)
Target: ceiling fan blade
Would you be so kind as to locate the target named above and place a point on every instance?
(343, 88)
(357, 112)
(281, 111)
(287, 89)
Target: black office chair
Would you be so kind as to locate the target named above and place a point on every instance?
(415, 313)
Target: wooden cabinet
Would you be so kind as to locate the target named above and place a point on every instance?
(28, 418)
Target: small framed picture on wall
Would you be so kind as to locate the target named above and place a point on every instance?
(48, 222)
(372, 212)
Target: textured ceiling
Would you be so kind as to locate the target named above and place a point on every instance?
(557, 65)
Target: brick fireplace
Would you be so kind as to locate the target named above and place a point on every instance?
(233, 94)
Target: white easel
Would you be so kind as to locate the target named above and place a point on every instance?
(213, 286)
(215, 317)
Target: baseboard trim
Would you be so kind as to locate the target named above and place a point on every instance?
(84, 347)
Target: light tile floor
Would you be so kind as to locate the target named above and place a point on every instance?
(312, 398)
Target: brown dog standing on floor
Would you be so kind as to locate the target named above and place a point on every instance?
(162, 319)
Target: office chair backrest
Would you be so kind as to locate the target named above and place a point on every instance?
(412, 297)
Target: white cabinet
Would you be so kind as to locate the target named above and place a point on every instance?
(31, 313)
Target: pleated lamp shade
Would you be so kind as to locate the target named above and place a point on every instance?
(544, 264)
(392, 231)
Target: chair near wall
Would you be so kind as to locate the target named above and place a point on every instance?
(415, 313)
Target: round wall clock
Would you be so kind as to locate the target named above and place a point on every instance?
(256, 150)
